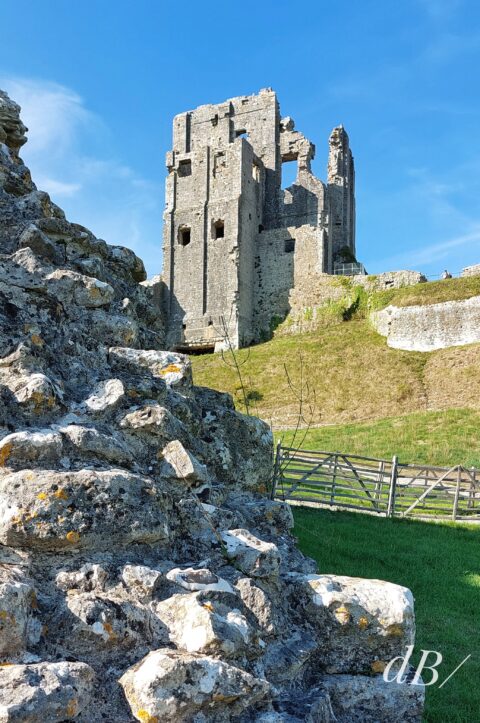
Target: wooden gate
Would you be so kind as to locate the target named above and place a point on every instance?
(378, 486)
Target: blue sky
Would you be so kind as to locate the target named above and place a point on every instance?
(100, 82)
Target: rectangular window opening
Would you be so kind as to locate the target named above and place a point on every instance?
(185, 168)
(289, 245)
(184, 236)
(289, 172)
(219, 229)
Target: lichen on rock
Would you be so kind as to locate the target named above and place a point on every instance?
(144, 573)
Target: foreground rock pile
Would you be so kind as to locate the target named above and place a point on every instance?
(144, 574)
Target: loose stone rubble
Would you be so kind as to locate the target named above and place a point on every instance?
(144, 573)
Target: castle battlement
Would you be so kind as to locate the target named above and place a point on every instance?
(235, 242)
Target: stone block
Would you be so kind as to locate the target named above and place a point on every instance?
(172, 686)
(250, 554)
(357, 622)
(52, 692)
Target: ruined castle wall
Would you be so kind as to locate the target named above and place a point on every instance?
(225, 170)
(285, 257)
(341, 192)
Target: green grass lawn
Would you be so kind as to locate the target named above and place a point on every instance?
(440, 563)
(436, 438)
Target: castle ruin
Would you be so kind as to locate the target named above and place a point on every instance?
(235, 243)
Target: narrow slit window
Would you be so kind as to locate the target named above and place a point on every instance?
(219, 229)
(184, 235)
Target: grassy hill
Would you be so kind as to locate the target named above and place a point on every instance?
(347, 375)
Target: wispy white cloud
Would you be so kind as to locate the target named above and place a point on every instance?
(57, 188)
(67, 157)
(435, 252)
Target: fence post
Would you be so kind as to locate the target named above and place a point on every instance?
(334, 477)
(457, 493)
(276, 467)
(393, 487)
(471, 494)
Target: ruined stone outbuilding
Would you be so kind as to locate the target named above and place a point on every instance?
(235, 242)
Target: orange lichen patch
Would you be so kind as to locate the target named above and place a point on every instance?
(224, 698)
(42, 496)
(170, 369)
(37, 340)
(395, 630)
(363, 623)
(5, 453)
(378, 666)
(44, 630)
(72, 536)
(72, 708)
(94, 292)
(41, 401)
(61, 494)
(5, 665)
(33, 600)
(132, 393)
(7, 617)
(144, 716)
(208, 606)
(342, 614)
(110, 631)
(29, 476)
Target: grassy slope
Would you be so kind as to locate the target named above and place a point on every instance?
(444, 576)
(438, 438)
(434, 292)
(352, 375)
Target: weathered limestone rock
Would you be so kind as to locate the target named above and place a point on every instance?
(370, 699)
(106, 621)
(430, 327)
(183, 466)
(207, 622)
(252, 555)
(43, 447)
(90, 441)
(105, 396)
(17, 604)
(390, 280)
(52, 692)
(172, 686)
(85, 291)
(358, 622)
(89, 577)
(142, 581)
(174, 369)
(471, 270)
(201, 579)
(84, 509)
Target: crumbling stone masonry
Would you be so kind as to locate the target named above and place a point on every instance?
(235, 242)
(144, 573)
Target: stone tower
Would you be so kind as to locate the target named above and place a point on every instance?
(235, 242)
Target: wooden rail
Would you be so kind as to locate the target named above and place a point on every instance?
(379, 486)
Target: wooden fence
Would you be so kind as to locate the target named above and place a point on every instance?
(378, 486)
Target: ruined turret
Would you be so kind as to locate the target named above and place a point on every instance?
(236, 240)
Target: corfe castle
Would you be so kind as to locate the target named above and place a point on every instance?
(235, 242)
